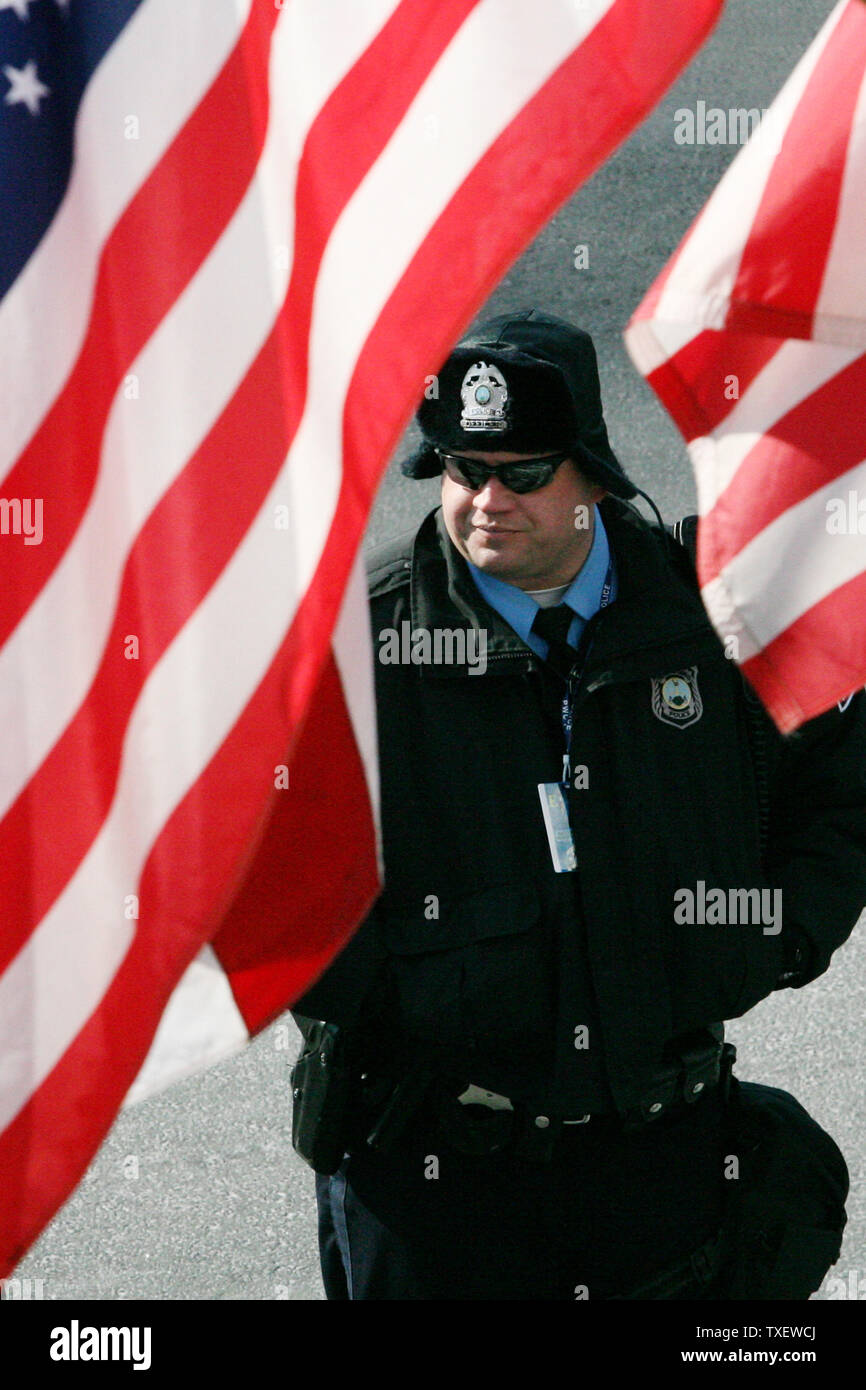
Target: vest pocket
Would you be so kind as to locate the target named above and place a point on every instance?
(720, 969)
(478, 974)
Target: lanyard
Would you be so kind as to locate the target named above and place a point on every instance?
(581, 658)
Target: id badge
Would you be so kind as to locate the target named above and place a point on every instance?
(555, 813)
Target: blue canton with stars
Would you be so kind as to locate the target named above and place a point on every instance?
(49, 50)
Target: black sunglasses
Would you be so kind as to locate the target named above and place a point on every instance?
(526, 476)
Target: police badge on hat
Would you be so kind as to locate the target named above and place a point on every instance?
(485, 396)
(676, 698)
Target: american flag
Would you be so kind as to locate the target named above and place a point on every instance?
(237, 235)
(754, 338)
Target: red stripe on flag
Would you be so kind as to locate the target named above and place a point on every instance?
(295, 906)
(191, 875)
(629, 41)
(692, 385)
(195, 867)
(235, 478)
(825, 646)
(775, 292)
(373, 420)
(194, 190)
(38, 830)
(815, 442)
(369, 430)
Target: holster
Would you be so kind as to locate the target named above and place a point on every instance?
(337, 1106)
(322, 1087)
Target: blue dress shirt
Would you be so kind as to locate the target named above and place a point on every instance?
(583, 595)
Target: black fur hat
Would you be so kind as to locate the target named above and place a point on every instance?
(534, 389)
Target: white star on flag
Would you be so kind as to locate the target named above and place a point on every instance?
(24, 85)
(19, 6)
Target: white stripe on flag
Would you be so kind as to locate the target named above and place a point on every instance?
(192, 366)
(840, 312)
(201, 1025)
(791, 565)
(187, 44)
(367, 254)
(698, 289)
(792, 375)
(353, 653)
(652, 344)
(169, 741)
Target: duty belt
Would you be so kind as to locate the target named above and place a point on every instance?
(702, 1062)
(479, 1121)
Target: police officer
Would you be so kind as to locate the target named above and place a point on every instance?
(596, 849)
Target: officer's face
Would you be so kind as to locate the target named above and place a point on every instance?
(535, 540)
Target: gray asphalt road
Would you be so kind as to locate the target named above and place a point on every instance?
(197, 1194)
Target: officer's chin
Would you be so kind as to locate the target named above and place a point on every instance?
(491, 546)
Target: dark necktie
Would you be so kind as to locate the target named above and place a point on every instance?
(552, 624)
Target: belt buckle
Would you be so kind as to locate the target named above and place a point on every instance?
(477, 1123)
(478, 1095)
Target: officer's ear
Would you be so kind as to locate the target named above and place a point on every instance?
(596, 490)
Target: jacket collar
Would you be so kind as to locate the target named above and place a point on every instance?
(656, 619)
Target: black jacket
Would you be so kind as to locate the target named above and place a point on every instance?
(476, 947)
